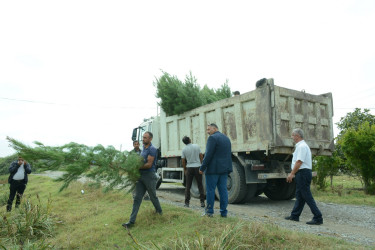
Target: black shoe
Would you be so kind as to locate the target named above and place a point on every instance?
(314, 222)
(202, 204)
(223, 216)
(186, 205)
(128, 224)
(291, 218)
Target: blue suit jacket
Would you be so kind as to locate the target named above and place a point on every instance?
(218, 155)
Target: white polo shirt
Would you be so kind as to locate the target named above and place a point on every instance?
(302, 153)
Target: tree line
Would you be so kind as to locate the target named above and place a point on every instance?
(354, 151)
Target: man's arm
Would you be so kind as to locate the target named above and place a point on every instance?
(183, 161)
(27, 167)
(13, 167)
(210, 148)
(201, 157)
(148, 165)
(292, 174)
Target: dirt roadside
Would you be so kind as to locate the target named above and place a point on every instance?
(347, 222)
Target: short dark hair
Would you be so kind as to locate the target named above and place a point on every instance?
(150, 134)
(186, 140)
(213, 125)
(135, 142)
(236, 92)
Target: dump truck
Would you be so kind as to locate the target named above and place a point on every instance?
(259, 124)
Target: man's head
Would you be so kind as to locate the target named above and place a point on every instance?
(186, 140)
(147, 138)
(297, 135)
(236, 93)
(136, 145)
(212, 128)
(20, 160)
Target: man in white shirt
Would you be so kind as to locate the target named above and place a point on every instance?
(301, 171)
(18, 180)
(191, 161)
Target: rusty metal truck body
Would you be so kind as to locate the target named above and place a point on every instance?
(259, 124)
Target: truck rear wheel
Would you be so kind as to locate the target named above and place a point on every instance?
(279, 189)
(260, 188)
(251, 192)
(236, 184)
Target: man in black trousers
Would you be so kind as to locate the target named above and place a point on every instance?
(18, 180)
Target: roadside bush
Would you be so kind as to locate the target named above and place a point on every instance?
(27, 223)
(358, 146)
(326, 166)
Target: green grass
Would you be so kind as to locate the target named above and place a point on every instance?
(93, 221)
(345, 190)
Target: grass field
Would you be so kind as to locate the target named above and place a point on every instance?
(72, 220)
(345, 190)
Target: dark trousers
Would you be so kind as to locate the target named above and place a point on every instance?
(16, 187)
(303, 195)
(190, 174)
(219, 181)
(147, 182)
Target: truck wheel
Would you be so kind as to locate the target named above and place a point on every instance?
(260, 188)
(251, 192)
(279, 189)
(194, 191)
(236, 184)
(158, 173)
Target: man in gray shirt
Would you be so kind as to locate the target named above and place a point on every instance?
(191, 161)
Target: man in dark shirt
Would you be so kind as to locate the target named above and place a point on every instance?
(147, 181)
(138, 151)
(18, 180)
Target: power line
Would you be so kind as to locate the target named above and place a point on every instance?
(76, 105)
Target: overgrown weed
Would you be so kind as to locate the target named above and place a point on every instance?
(31, 221)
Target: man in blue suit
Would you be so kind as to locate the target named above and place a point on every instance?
(217, 164)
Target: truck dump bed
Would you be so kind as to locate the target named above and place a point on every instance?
(259, 120)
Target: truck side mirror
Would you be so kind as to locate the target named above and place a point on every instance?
(134, 136)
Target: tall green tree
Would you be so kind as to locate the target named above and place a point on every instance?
(177, 97)
(169, 90)
(101, 164)
(355, 119)
(352, 120)
(358, 146)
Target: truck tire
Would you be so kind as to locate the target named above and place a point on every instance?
(236, 184)
(158, 173)
(194, 191)
(260, 188)
(279, 189)
(251, 192)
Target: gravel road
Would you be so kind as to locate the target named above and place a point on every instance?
(347, 222)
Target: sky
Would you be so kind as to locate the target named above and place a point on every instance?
(83, 71)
